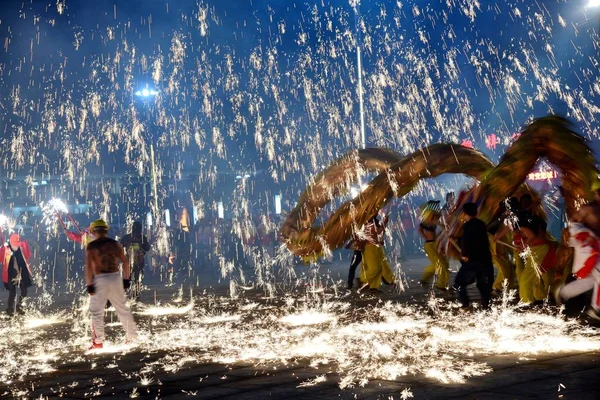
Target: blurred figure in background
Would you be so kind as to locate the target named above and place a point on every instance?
(16, 273)
(358, 245)
(438, 263)
(500, 250)
(136, 246)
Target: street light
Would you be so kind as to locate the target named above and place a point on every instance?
(146, 93)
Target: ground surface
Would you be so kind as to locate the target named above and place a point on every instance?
(302, 346)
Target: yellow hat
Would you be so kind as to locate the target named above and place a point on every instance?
(98, 224)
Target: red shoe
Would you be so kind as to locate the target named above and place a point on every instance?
(96, 346)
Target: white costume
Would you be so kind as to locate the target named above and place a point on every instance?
(586, 265)
(110, 287)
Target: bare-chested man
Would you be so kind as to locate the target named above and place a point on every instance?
(104, 282)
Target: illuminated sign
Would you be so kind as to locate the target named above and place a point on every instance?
(467, 143)
(492, 141)
(542, 175)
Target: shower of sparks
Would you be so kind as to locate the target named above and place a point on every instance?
(105, 108)
(4, 221)
(386, 341)
(166, 310)
(139, 120)
(51, 211)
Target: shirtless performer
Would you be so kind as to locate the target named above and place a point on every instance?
(584, 232)
(104, 282)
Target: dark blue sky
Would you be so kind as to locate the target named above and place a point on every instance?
(271, 85)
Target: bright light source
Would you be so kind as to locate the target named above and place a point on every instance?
(221, 210)
(146, 92)
(195, 214)
(593, 3)
(3, 220)
(356, 190)
(277, 204)
(168, 217)
(149, 219)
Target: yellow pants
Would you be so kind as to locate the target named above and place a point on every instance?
(438, 266)
(375, 266)
(519, 264)
(533, 284)
(500, 259)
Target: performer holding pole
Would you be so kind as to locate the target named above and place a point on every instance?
(439, 266)
(375, 266)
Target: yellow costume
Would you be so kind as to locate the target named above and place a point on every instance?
(375, 266)
(438, 266)
(537, 276)
(500, 259)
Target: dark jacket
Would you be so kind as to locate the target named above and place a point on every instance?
(475, 244)
(136, 247)
(18, 271)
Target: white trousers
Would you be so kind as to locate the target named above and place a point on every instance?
(110, 287)
(586, 264)
(580, 286)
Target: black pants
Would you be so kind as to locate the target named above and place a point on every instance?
(12, 294)
(471, 272)
(137, 277)
(356, 260)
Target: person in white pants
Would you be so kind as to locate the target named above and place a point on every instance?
(104, 282)
(586, 268)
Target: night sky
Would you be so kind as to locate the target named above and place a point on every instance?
(270, 86)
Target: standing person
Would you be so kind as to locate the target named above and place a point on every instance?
(104, 282)
(358, 245)
(585, 231)
(136, 246)
(500, 253)
(476, 259)
(537, 277)
(375, 266)
(586, 268)
(589, 214)
(16, 273)
(438, 263)
(448, 207)
(513, 215)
